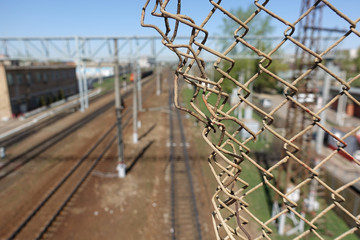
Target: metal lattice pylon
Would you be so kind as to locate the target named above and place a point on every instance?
(234, 216)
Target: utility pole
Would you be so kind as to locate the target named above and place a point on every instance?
(325, 96)
(138, 76)
(84, 81)
(340, 112)
(341, 107)
(80, 85)
(157, 69)
(240, 108)
(248, 109)
(121, 167)
(138, 80)
(135, 123)
(101, 79)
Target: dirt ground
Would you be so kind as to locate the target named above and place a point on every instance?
(22, 190)
(138, 206)
(107, 207)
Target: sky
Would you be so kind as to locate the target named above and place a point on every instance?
(116, 17)
(44, 18)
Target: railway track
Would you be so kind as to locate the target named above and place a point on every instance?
(38, 222)
(184, 214)
(21, 135)
(20, 160)
(13, 139)
(46, 212)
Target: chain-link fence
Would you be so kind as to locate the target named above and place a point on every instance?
(294, 193)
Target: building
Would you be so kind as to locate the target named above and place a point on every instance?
(348, 106)
(146, 62)
(24, 88)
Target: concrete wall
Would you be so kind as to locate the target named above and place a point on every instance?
(5, 107)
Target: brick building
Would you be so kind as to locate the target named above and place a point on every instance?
(24, 88)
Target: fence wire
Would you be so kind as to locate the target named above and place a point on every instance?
(236, 215)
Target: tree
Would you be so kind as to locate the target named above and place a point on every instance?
(350, 65)
(260, 25)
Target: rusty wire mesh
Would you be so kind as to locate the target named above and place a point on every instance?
(234, 217)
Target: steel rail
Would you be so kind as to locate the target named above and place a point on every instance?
(60, 183)
(106, 148)
(21, 135)
(51, 141)
(48, 224)
(188, 171)
(68, 175)
(189, 178)
(11, 140)
(55, 138)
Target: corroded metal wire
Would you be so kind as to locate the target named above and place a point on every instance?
(232, 210)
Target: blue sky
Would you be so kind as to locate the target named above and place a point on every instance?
(122, 18)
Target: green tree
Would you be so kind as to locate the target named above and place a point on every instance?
(61, 94)
(260, 25)
(350, 65)
(42, 101)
